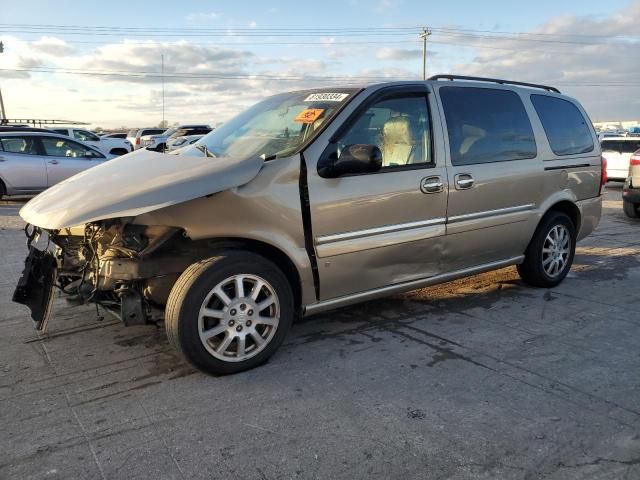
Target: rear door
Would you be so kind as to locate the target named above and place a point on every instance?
(383, 228)
(65, 158)
(22, 166)
(495, 175)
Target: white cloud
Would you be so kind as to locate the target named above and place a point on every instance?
(253, 24)
(587, 59)
(387, 53)
(201, 17)
(52, 46)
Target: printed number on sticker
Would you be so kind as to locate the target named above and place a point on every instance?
(326, 97)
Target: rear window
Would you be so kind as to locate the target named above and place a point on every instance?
(486, 125)
(621, 146)
(152, 131)
(132, 132)
(567, 130)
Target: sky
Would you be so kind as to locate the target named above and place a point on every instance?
(103, 65)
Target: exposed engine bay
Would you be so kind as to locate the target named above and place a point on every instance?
(127, 269)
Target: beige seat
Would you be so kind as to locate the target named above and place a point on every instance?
(397, 142)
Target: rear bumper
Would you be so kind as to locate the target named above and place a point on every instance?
(590, 213)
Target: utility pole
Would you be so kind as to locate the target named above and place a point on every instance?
(423, 35)
(162, 59)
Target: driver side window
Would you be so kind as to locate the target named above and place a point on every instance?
(60, 147)
(399, 126)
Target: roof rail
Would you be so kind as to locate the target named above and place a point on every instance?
(494, 80)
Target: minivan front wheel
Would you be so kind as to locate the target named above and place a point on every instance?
(229, 313)
(549, 256)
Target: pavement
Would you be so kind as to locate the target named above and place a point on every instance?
(482, 378)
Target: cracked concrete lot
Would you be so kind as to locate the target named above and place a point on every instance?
(483, 378)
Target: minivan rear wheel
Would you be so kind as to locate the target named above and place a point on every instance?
(549, 256)
(229, 313)
(630, 209)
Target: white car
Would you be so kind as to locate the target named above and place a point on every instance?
(112, 146)
(159, 143)
(618, 151)
(135, 135)
(183, 141)
(31, 162)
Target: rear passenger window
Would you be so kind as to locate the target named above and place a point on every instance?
(486, 125)
(565, 126)
(25, 145)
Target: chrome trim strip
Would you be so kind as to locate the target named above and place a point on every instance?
(407, 286)
(398, 227)
(491, 213)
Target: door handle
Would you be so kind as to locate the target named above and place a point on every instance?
(431, 185)
(464, 181)
(54, 162)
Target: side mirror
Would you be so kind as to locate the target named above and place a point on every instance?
(354, 159)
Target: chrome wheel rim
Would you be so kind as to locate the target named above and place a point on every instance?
(238, 318)
(555, 250)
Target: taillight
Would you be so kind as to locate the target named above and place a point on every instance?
(137, 140)
(635, 160)
(603, 173)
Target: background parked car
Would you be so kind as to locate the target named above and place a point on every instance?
(160, 142)
(631, 190)
(30, 162)
(113, 146)
(617, 151)
(183, 141)
(121, 135)
(135, 135)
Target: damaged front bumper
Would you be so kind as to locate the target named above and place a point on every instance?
(125, 268)
(37, 282)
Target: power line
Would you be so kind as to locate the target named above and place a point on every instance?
(147, 74)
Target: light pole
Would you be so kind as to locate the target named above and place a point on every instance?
(3, 114)
(162, 77)
(423, 35)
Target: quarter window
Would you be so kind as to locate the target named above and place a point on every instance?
(24, 145)
(486, 125)
(400, 127)
(60, 147)
(566, 128)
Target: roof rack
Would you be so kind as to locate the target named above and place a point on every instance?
(494, 80)
(37, 122)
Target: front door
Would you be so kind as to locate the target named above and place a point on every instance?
(496, 175)
(383, 228)
(22, 165)
(65, 158)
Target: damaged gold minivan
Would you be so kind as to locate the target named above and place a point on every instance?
(317, 199)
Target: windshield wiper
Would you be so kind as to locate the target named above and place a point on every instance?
(203, 148)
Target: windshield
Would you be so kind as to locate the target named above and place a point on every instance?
(275, 127)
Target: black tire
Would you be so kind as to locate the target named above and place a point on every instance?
(532, 270)
(190, 291)
(630, 209)
(119, 151)
(3, 190)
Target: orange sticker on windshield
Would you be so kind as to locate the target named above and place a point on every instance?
(309, 115)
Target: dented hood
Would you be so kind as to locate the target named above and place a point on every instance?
(134, 184)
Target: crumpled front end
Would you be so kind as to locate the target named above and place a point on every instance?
(126, 268)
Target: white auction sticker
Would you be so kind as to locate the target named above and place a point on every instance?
(326, 97)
